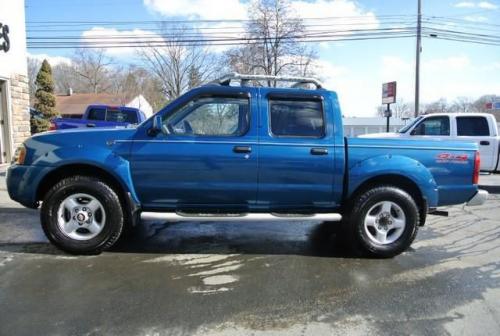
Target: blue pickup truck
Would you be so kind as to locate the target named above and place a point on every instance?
(101, 116)
(227, 152)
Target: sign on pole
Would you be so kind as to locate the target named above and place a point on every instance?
(389, 93)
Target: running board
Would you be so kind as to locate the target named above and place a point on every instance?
(178, 216)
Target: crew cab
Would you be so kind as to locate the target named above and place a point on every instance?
(224, 152)
(101, 116)
(480, 128)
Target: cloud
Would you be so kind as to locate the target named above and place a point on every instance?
(113, 36)
(53, 60)
(448, 77)
(347, 13)
(481, 4)
(475, 18)
(453, 63)
(487, 5)
(200, 9)
(465, 4)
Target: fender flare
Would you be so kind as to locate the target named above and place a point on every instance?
(392, 165)
(106, 160)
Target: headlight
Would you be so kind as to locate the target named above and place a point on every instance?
(19, 155)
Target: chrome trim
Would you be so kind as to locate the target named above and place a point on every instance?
(479, 198)
(173, 216)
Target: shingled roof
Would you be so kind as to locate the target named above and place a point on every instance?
(77, 103)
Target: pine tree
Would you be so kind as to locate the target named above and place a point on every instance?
(45, 99)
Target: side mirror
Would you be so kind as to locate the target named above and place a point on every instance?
(155, 129)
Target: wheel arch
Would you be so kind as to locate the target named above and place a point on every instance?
(130, 205)
(399, 181)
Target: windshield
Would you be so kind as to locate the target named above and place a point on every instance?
(410, 125)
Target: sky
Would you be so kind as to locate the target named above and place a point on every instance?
(354, 69)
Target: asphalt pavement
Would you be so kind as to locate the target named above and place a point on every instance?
(253, 279)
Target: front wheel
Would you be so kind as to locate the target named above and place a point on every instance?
(82, 215)
(384, 221)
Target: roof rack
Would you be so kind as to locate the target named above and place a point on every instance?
(226, 79)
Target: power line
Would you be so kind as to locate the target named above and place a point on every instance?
(325, 29)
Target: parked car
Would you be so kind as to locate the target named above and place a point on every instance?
(223, 152)
(102, 116)
(480, 128)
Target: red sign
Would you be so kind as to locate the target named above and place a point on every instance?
(389, 93)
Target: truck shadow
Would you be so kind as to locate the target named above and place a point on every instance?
(267, 238)
(263, 238)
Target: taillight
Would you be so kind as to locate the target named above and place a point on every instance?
(52, 126)
(477, 166)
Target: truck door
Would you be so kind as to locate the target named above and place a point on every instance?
(477, 129)
(296, 152)
(435, 127)
(206, 157)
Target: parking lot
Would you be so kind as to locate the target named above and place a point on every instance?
(253, 278)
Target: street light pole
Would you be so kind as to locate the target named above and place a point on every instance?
(417, 59)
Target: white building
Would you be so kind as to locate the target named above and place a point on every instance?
(358, 126)
(14, 91)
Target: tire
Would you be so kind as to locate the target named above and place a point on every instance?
(82, 215)
(384, 210)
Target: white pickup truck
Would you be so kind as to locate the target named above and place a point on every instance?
(477, 127)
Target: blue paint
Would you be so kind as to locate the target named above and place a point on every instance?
(169, 172)
(131, 112)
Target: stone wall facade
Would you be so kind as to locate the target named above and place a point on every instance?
(20, 116)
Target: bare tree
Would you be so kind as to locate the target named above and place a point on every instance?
(94, 69)
(177, 65)
(400, 109)
(439, 106)
(136, 80)
(274, 47)
(65, 78)
(462, 104)
(33, 68)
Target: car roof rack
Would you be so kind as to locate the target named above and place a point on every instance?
(244, 79)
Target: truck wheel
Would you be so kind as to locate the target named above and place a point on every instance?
(384, 221)
(82, 215)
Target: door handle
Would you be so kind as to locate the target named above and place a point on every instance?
(90, 125)
(484, 143)
(242, 149)
(319, 151)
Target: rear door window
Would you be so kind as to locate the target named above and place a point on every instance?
(296, 118)
(472, 126)
(433, 126)
(97, 113)
(122, 116)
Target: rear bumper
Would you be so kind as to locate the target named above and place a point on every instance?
(479, 198)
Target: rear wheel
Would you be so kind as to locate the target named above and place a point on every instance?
(383, 221)
(82, 215)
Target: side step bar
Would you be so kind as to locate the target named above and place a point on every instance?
(178, 216)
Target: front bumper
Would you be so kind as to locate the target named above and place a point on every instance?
(22, 183)
(479, 198)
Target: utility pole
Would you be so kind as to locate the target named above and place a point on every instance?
(417, 59)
